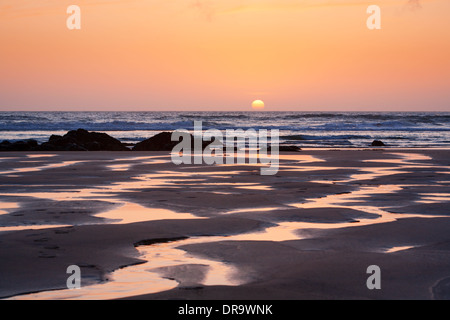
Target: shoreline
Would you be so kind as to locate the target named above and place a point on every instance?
(318, 262)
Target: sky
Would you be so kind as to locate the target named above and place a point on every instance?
(220, 55)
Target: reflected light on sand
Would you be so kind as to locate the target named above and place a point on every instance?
(33, 169)
(5, 207)
(132, 212)
(412, 156)
(300, 158)
(254, 209)
(256, 187)
(340, 199)
(352, 200)
(434, 197)
(33, 227)
(405, 158)
(305, 168)
(119, 167)
(283, 231)
(396, 249)
(136, 161)
(148, 277)
(127, 213)
(41, 155)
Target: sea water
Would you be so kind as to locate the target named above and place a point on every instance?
(304, 129)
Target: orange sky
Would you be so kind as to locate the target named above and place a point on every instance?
(223, 54)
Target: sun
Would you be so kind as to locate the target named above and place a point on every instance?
(258, 105)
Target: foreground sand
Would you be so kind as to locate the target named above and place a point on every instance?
(355, 208)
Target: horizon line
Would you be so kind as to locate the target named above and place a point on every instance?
(250, 111)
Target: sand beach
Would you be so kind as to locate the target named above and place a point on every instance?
(140, 227)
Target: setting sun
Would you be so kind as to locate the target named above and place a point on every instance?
(258, 105)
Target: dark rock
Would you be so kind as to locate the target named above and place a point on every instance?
(32, 143)
(54, 138)
(163, 142)
(5, 143)
(377, 143)
(93, 146)
(289, 148)
(286, 148)
(160, 142)
(19, 146)
(27, 145)
(75, 147)
(83, 140)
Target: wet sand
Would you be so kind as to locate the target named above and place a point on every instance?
(226, 232)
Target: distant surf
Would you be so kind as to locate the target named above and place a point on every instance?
(304, 129)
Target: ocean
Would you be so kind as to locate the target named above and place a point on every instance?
(303, 129)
